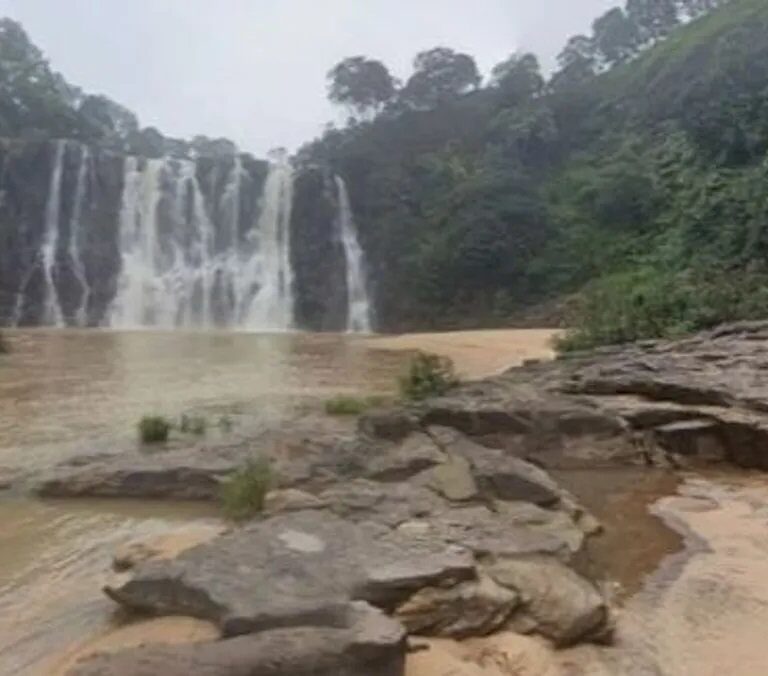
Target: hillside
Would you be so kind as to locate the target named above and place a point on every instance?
(641, 189)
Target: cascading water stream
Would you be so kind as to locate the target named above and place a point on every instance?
(179, 271)
(136, 303)
(271, 306)
(76, 237)
(358, 301)
(45, 259)
(52, 308)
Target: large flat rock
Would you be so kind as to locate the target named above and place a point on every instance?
(296, 569)
(371, 645)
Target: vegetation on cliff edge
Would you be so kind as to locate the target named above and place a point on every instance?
(633, 178)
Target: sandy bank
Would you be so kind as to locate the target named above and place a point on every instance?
(477, 354)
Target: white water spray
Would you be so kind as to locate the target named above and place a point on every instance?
(358, 302)
(269, 269)
(176, 272)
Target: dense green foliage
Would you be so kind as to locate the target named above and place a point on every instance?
(428, 375)
(634, 180)
(243, 493)
(154, 429)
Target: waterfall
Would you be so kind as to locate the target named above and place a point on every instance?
(270, 267)
(358, 303)
(137, 303)
(45, 259)
(180, 270)
(76, 238)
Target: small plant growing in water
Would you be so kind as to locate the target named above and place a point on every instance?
(429, 375)
(191, 424)
(225, 423)
(243, 493)
(154, 429)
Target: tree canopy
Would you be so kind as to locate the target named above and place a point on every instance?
(360, 83)
(440, 74)
(629, 182)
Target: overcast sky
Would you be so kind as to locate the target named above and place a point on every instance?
(254, 70)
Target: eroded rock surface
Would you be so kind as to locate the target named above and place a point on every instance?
(700, 400)
(367, 642)
(442, 515)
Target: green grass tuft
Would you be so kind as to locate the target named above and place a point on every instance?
(154, 429)
(243, 493)
(429, 375)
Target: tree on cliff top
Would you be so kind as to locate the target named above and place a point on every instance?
(440, 73)
(360, 83)
(518, 78)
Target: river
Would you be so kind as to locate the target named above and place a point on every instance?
(689, 555)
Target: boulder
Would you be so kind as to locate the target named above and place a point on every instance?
(473, 608)
(165, 546)
(400, 461)
(189, 474)
(698, 438)
(368, 643)
(291, 500)
(293, 569)
(392, 424)
(556, 602)
(453, 479)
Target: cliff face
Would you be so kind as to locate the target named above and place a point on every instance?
(84, 253)
(89, 237)
(317, 254)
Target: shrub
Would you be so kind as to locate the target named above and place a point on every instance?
(346, 405)
(154, 429)
(193, 425)
(429, 375)
(650, 303)
(243, 493)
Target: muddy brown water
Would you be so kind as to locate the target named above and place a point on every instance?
(70, 392)
(690, 558)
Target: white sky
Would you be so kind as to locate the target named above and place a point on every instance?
(254, 70)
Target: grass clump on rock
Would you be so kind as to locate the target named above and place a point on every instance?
(243, 493)
(429, 375)
(154, 429)
(346, 405)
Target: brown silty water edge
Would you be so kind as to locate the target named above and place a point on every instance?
(64, 387)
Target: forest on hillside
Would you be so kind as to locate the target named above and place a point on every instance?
(627, 187)
(631, 182)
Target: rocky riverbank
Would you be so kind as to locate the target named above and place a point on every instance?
(441, 520)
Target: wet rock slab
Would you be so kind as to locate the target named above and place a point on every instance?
(292, 570)
(368, 643)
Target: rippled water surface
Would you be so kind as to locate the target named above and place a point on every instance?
(61, 387)
(693, 591)
(65, 392)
